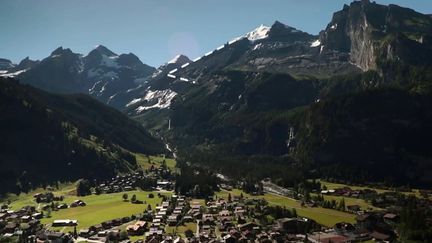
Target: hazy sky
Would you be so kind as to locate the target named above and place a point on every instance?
(155, 30)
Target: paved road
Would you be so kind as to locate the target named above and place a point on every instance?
(197, 229)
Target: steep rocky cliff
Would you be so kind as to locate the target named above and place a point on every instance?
(369, 31)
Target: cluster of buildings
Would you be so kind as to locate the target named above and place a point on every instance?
(170, 213)
(155, 179)
(149, 224)
(120, 183)
(47, 197)
(21, 223)
(232, 219)
(25, 224)
(348, 192)
(217, 221)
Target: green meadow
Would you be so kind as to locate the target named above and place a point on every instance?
(323, 216)
(146, 161)
(331, 185)
(99, 207)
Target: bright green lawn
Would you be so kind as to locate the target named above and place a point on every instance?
(326, 217)
(103, 207)
(99, 207)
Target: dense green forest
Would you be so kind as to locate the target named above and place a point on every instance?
(49, 138)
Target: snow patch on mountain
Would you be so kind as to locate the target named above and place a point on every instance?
(220, 48)
(133, 89)
(235, 40)
(93, 88)
(175, 59)
(208, 53)
(259, 33)
(257, 46)
(14, 74)
(134, 101)
(316, 43)
(163, 99)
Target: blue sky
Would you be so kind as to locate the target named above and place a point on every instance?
(155, 30)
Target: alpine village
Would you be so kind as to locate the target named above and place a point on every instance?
(276, 135)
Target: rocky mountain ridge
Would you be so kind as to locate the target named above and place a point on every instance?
(242, 101)
(101, 73)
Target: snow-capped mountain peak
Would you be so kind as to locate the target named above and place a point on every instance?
(259, 33)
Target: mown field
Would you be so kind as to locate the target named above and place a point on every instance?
(326, 217)
(99, 207)
(104, 207)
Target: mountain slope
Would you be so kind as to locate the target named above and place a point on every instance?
(48, 138)
(101, 73)
(251, 97)
(378, 135)
(368, 31)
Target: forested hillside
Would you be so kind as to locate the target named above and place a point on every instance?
(47, 138)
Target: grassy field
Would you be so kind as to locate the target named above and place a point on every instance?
(330, 185)
(181, 229)
(326, 217)
(146, 161)
(26, 199)
(103, 207)
(99, 207)
(352, 201)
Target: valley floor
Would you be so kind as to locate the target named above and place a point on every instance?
(323, 216)
(109, 206)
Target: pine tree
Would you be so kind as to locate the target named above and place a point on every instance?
(342, 204)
